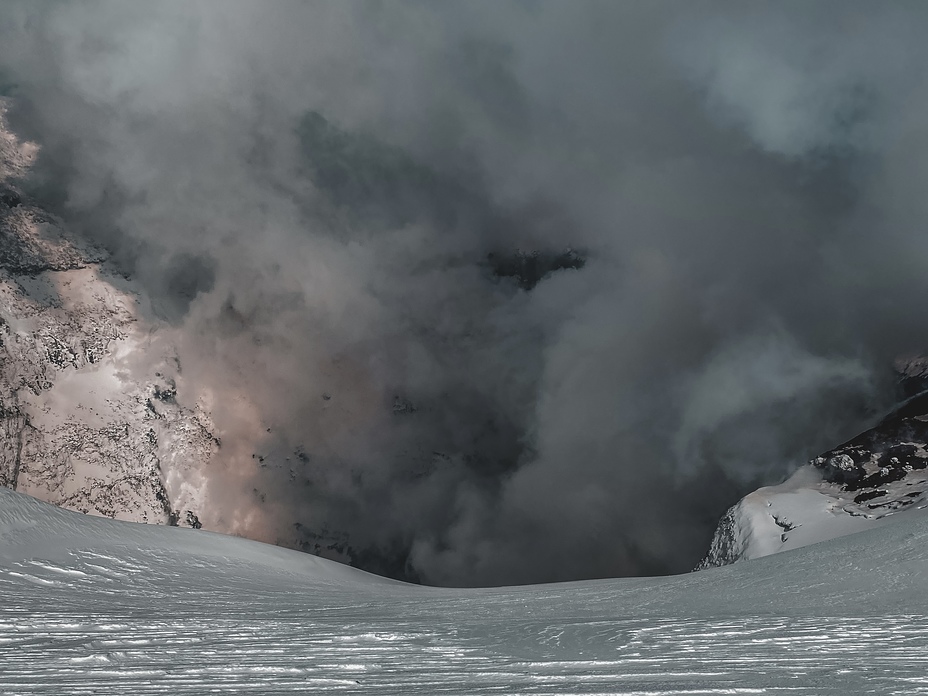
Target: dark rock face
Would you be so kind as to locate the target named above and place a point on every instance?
(10, 198)
(840, 468)
(727, 543)
(914, 375)
(528, 268)
(887, 453)
(12, 426)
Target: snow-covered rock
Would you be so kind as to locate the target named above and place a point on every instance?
(880, 473)
(82, 425)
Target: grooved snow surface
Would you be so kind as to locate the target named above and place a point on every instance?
(90, 605)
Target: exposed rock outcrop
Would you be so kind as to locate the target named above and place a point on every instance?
(82, 425)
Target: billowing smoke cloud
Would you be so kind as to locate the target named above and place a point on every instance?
(498, 291)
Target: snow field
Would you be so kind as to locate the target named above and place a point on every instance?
(90, 605)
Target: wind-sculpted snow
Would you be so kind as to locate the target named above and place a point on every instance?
(98, 606)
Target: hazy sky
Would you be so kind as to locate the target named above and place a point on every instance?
(325, 203)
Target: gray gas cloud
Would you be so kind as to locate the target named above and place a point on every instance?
(499, 291)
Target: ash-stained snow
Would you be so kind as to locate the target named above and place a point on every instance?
(91, 605)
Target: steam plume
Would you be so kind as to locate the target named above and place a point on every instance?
(499, 291)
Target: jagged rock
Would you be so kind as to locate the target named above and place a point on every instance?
(728, 542)
(840, 469)
(77, 428)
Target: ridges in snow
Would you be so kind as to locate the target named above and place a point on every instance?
(99, 606)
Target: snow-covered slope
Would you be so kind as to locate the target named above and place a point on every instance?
(877, 475)
(91, 605)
